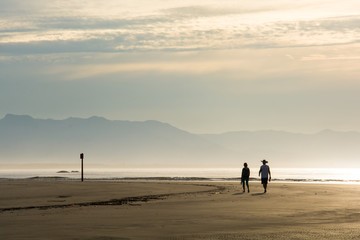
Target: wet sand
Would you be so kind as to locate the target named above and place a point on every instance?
(177, 210)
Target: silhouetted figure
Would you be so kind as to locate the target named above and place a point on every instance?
(245, 177)
(265, 174)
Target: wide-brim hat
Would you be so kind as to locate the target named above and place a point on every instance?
(264, 161)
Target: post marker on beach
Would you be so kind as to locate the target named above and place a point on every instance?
(82, 166)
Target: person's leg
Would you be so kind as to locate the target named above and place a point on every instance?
(247, 185)
(243, 185)
(265, 186)
(264, 183)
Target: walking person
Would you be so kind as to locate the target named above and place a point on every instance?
(265, 174)
(245, 177)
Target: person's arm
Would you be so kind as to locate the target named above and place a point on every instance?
(259, 171)
(269, 175)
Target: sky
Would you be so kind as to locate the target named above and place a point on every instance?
(203, 66)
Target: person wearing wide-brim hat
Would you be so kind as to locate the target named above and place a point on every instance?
(265, 174)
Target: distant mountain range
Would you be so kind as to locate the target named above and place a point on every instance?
(25, 140)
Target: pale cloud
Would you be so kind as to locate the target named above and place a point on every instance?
(281, 70)
(315, 57)
(177, 25)
(90, 71)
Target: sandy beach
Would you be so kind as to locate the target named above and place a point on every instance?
(177, 210)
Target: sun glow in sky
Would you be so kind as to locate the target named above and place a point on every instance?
(204, 66)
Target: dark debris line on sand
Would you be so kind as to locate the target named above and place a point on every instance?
(122, 201)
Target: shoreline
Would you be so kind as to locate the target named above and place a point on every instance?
(176, 179)
(188, 174)
(177, 210)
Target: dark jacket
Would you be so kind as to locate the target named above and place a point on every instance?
(245, 173)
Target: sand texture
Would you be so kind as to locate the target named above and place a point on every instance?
(177, 210)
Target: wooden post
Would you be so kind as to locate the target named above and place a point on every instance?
(82, 166)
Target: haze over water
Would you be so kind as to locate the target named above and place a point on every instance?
(313, 175)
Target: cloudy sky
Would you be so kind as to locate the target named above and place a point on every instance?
(204, 66)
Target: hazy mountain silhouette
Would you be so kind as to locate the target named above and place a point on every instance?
(24, 139)
(124, 143)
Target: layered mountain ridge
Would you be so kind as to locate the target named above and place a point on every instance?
(24, 139)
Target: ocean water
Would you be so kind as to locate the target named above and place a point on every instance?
(314, 175)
